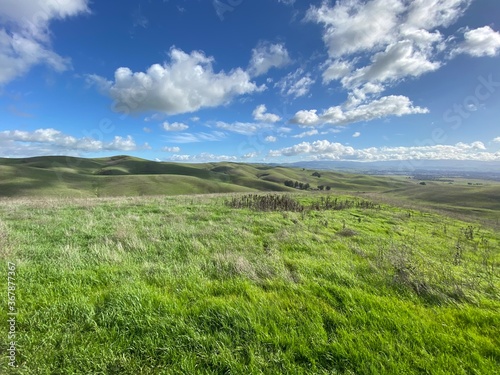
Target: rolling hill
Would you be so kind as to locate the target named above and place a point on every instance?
(124, 175)
(60, 176)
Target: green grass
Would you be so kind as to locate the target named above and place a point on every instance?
(189, 285)
(58, 176)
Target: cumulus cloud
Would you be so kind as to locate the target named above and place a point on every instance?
(483, 41)
(52, 141)
(295, 84)
(266, 56)
(259, 114)
(25, 35)
(393, 105)
(270, 139)
(496, 140)
(397, 61)
(430, 14)
(336, 69)
(382, 42)
(174, 127)
(354, 26)
(375, 44)
(325, 150)
(186, 84)
(356, 134)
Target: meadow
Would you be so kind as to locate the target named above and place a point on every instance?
(251, 283)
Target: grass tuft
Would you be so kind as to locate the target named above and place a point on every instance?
(192, 285)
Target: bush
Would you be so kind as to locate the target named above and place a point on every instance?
(268, 202)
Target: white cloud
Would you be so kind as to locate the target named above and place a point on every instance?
(295, 84)
(357, 26)
(34, 16)
(25, 35)
(356, 134)
(386, 106)
(353, 26)
(397, 61)
(266, 56)
(259, 114)
(245, 128)
(153, 117)
(362, 94)
(325, 150)
(306, 118)
(336, 69)
(186, 84)
(496, 140)
(146, 129)
(196, 137)
(203, 157)
(174, 127)
(306, 134)
(284, 130)
(430, 14)
(180, 157)
(287, 2)
(336, 130)
(270, 139)
(250, 155)
(171, 149)
(483, 41)
(122, 144)
(383, 42)
(52, 141)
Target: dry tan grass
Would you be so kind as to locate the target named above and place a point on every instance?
(5, 249)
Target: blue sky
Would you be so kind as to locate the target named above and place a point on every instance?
(251, 81)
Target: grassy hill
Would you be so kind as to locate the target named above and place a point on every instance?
(129, 176)
(246, 284)
(118, 270)
(76, 177)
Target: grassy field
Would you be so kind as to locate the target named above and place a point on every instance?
(117, 176)
(302, 283)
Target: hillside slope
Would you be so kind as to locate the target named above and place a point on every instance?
(59, 176)
(124, 175)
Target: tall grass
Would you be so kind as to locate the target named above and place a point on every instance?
(192, 285)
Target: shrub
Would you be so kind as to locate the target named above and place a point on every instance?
(268, 202)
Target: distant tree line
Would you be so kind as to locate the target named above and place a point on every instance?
(297, 185)
(304, 186)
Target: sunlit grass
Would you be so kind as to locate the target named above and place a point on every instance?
(165, 285)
